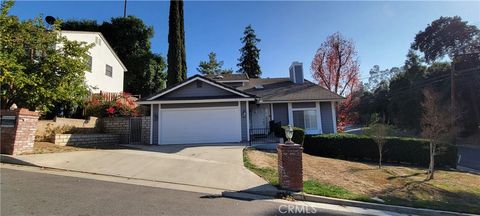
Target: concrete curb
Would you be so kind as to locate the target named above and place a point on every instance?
(352, 203)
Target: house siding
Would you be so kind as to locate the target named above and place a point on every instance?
(243, 108)
(155, 124)
(304, 105)
(193, 89)
(96, 79)
(280, 113)
(327, 120)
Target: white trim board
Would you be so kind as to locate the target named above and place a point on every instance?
(334, 117)
(299, 101)
(196, 101)
(194, 79)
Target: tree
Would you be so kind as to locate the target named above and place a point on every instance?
(377, 76)
(130, 39)
(406, 93)
(250, 54)
(335, 65)
(379, 133)
(176, 57)
(212, 66)
(436, 126)
(456, 38)
(447, 36)
(38, 66)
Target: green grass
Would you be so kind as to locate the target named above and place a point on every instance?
(440, 195)
(269, 174)
(328, 190)
(309, 186)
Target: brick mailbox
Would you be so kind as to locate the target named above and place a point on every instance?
(17, 131)
(290, 171)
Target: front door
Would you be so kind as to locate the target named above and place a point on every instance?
(259, 116)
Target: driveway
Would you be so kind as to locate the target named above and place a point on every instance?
(212, 166)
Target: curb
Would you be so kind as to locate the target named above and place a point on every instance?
(342, 202)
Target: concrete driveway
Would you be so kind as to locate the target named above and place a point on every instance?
(211, 166)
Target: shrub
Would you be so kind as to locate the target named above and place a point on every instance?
(122, 104)
(360, 147)
(298, 134)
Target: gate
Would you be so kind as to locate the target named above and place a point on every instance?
(135, 130)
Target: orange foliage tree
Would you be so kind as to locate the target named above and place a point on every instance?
(335, 66)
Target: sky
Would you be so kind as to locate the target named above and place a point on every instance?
(289, 30)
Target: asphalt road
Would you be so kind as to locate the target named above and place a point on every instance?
(32, 193)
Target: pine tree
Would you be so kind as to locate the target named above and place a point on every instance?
(176, 57)
(250, 54)
(212, 66)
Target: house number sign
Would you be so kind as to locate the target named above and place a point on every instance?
(8, 121)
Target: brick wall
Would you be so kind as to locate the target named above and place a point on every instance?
(146, 129)
(43, 125)
(19, 137)
(121, 127)
(85, 139)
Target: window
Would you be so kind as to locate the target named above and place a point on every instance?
(109, 71)
(306, 119)
(89, 63)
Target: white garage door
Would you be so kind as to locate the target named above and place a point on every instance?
(200, 125)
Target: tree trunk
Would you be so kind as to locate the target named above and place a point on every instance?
(379, 157)
(431, 168)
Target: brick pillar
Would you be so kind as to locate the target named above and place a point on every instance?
(18, 135)
(290, 171)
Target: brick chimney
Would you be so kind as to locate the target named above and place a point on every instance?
(296, 72)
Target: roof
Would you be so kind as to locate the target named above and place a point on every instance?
(283, 89)
(104, 40)
(228, 77)
(192, 78)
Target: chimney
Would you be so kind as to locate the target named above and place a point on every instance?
(296, 72)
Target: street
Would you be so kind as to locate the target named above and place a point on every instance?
(469, 156)
(33, 193)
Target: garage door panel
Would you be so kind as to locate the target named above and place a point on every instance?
(200, 125)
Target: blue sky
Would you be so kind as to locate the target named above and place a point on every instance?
(290, 31)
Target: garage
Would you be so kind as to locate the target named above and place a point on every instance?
(200, 125)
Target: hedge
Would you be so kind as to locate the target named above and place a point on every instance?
(396, 150)
(279, 131)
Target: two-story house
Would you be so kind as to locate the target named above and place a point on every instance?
(106, 70)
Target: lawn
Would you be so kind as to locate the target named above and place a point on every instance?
(399, 185)
(48, 147)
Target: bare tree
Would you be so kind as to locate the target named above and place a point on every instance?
(436, 126)
(379, 133)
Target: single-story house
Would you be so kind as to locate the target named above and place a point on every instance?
(229, 107)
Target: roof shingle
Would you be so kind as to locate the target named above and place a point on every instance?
(282, 89)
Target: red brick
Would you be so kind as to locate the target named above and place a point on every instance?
(290, 166)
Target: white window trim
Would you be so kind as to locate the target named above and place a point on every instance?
(317, 112)
(334, 117)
